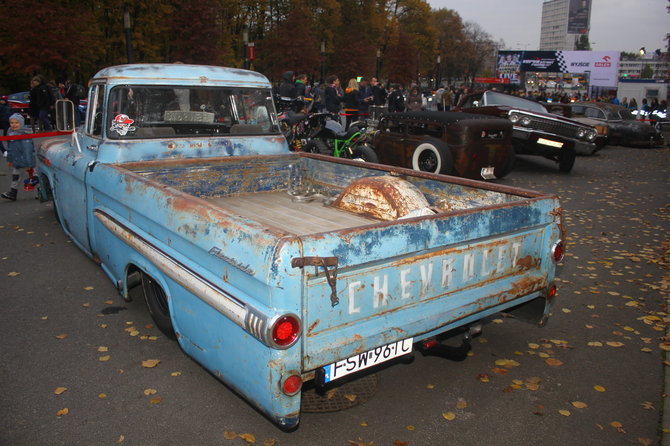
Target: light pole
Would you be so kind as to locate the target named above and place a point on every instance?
(323, 60)
(245, 40)
(379, 59)
(438, 75)
(126, 27)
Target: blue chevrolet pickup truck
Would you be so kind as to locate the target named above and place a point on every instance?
(273, 268)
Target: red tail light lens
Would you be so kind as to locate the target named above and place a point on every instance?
(292, 385)
(558, 251)
(552, 290)
(285, 330)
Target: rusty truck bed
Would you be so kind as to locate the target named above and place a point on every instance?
(291, 214)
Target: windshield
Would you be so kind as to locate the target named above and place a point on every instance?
(493, 98)
(184, 111)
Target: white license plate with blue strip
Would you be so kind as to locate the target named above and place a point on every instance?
(368, 359)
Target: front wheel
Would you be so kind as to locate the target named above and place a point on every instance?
(157, 304)
(432, 156)
(566, 160)
(365, 152)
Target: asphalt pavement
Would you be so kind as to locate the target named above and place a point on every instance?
(74, 370)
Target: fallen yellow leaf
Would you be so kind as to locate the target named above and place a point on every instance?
(102, 349)
(553, 362)
(270, 442)
(88, 288)
(63, 412)
(102, 396)
(13, 274)
(599, 388)
(565, 413)
(449, 416)
(350, 397)
(60, 390)
(105, 358)
(615, 344)
(229, 435)
(121, 439)
(249, 438)
(410, 428)
(175, 374)
(580, 405)
(156, 400)
(150, 363)
(148, 392)
(461, 404)
(61, 336)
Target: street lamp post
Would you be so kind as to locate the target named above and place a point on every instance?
(323, 60)
(126, 27)
(245, 40)
(438, 74)
(379, 58)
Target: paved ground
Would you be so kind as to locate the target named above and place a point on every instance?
(594, 375)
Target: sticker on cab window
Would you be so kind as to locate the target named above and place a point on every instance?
(122, 124)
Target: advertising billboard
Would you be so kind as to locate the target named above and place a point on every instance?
(602, 66)
(578, 16)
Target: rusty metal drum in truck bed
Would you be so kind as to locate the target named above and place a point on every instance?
(273, 268)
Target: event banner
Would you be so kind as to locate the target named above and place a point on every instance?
(602, 65)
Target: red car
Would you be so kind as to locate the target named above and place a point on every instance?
(20, 102)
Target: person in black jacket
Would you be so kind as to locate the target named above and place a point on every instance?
(333, 95)
(396, 99)
(287, 89)
(40, 102)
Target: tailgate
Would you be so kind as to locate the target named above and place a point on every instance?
(418, 294)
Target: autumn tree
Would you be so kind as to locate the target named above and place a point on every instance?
(34, 40)
(451, 40)
(200, 31)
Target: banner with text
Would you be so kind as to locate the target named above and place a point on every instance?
(602, 65)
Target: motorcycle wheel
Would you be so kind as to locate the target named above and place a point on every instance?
(366, 153)
(317, 146)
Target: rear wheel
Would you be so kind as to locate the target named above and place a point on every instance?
(158, 306)
(566, 159)
(365, 152)
(432, 156)
(317, 146)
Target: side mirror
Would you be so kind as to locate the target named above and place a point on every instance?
(64, 116)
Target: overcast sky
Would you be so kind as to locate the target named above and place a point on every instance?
(620, 25)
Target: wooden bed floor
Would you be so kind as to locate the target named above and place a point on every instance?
(278, 209)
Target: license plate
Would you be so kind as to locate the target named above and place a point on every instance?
(365, 360)
(549, 142)
(487, 173)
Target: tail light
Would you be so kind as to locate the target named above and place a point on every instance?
(558, 251)
(292, 384)
(285, 331)
(552, 290)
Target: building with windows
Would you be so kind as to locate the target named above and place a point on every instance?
(563, 23)
(633, 68)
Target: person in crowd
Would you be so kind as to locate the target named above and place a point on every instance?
(40, 102)
(365, 98)
(72, 93)
(351, 102)
(632, 104)
(378, 91)
(333, 95)
(5, 113)
(448, 98)
(414, 99)
(20, 157)
(301, 85)
(319, 97)
(287, 89)
(439, 93)
(624, 102)
(396, 99)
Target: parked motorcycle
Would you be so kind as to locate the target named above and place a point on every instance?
(334, 140)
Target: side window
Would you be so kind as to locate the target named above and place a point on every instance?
(393, 125)
(425, 128)
(593, 113)
(95, 109)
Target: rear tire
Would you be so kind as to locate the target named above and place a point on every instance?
(317, 146)
(566, 160)
(158, 306)
(366, 153)
(432, 156)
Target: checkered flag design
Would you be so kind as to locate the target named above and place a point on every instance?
(560, 61)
